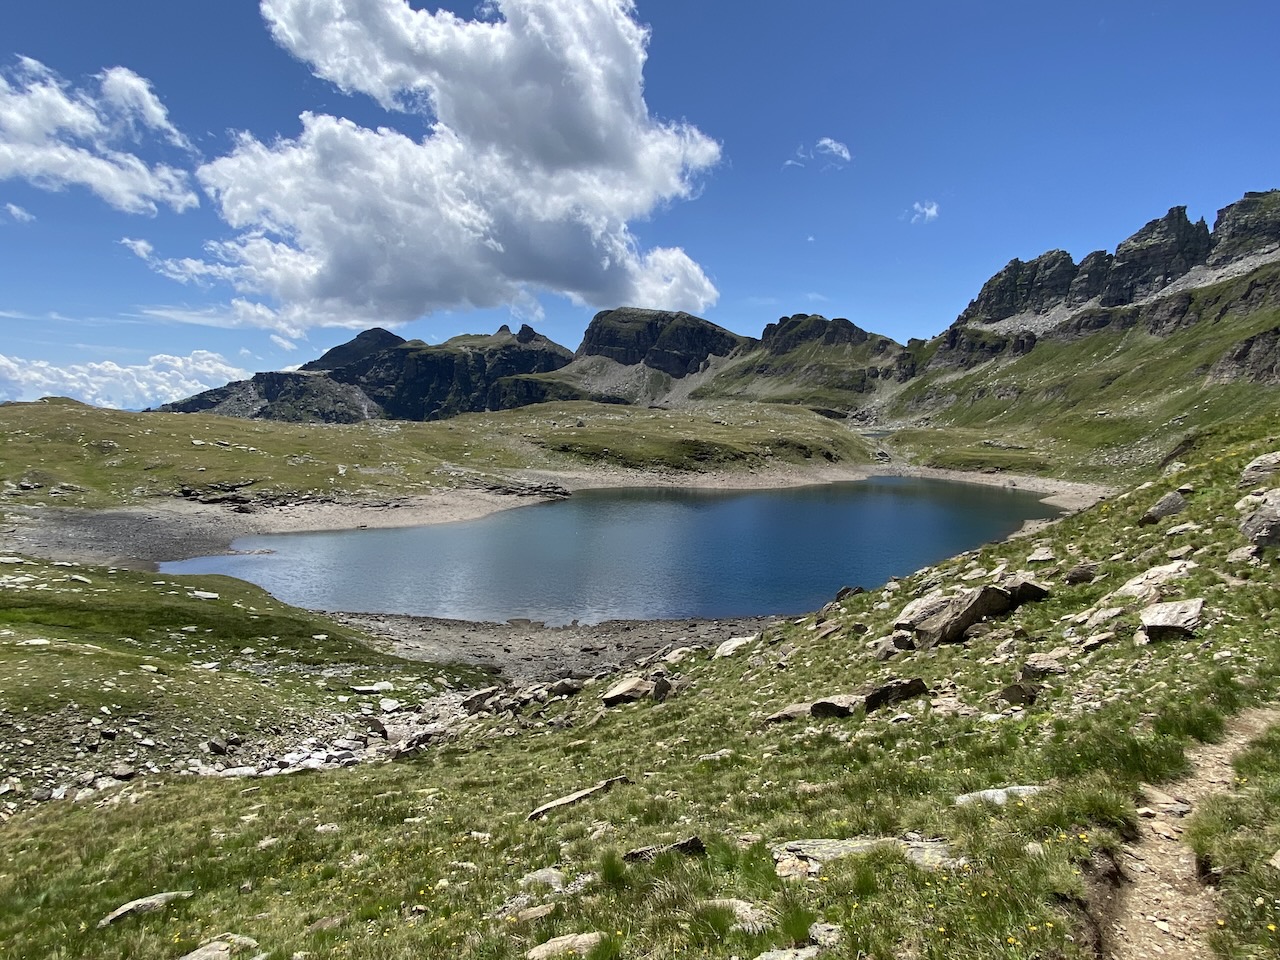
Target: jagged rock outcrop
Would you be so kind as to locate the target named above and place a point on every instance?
(363, 345)
(1020, 287)
(1090, 278)
(675, 343)
(1248, 226)
(1155, 256)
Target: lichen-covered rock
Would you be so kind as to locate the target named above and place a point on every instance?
(1260, 469)
(1262, 526)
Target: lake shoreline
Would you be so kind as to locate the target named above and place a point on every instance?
(142, 536)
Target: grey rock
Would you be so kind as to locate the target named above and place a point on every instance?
(748, 917)
(999, 795)
(948, 623)
(1021, 694)
(1041, 665)
(791, 953)
(690, 847)
(733, 645)
(805, 857)
(575, 944)
(825, 935)
(149, 904)
(793, 711)
(1262, 526)
(1167, 506)
(627, 690)
(546, 877)
(1163, 621)
(577, 797)
(565, 687)
(1260, 469)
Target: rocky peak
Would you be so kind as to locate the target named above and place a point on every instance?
(1020, 287)
(1155, 256)
(789, 332)
(364, 345)
(676, 343)
(1248, 226)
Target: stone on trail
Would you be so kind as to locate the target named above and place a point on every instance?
(573, 944)
(627, 690)
(1172, 620)
(576, 797)
(156, 901)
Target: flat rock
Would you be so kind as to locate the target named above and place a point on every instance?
(1274, 862)
(1021, 694)
(546, 877)
(1041, 555)
(1040, 665)
(604, 786)
(1144, 585)
(573, 944)
(149, 904)
(997, 795)
(791, 953)
(1169, 620)
(809, 855)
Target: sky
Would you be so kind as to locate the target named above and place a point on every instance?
(190, 192)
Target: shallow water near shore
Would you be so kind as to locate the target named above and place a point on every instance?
(636, 553)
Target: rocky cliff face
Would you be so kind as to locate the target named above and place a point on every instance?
(1246, 227)
(1019, 287)
(1155, 256)
(417, 381)
(408, 380)
(790, 332)
(675, 343)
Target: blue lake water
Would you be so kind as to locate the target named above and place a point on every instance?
(645, 553)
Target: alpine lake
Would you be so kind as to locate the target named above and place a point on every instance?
(636, 553)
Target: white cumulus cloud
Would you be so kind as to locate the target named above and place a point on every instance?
(539, 151)
(54, 135)
(161, 379)
(925, 212)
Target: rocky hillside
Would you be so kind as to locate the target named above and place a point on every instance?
(381, 375)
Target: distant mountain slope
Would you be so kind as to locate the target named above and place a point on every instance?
(1173, 290)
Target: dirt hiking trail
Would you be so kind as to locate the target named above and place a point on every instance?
(1162, 909)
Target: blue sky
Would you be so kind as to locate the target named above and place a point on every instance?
(190, 192)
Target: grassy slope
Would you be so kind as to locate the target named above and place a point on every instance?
(1102, 406)
(110, 457)
(425, 852)
(812, 374)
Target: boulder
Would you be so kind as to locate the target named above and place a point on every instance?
(1020, 694)
(1163, 621)
(948, 623)
(690, 847)
(1145, 585)
(1260, 469)
(1262, 526)
(794, 711)
(1167, 506)
(1041, 665)
(733, 645)
(1023, 589)
(627, 690)
(1081, 573)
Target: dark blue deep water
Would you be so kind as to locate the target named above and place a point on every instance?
(637, 553)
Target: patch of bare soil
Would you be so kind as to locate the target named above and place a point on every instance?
(1162, 909)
